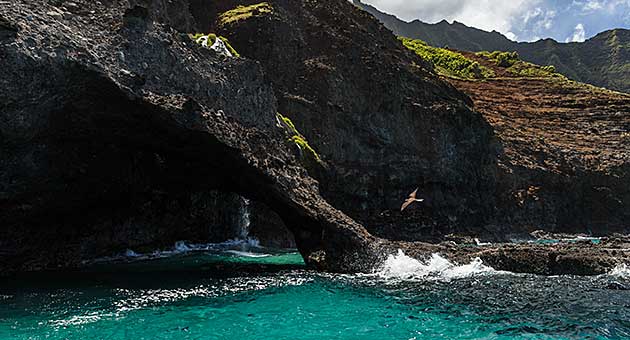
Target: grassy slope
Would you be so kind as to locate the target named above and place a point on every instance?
(464, 65)
(603, 60)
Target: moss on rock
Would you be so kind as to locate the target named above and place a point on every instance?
(308, 153)
(244, 12)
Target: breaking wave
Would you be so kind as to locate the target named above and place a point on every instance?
(621, 271)
(249, 247)
(401, 266)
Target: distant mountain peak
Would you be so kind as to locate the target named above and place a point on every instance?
(603, 60)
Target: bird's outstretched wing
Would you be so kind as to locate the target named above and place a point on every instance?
(412, 198)
(406, 204)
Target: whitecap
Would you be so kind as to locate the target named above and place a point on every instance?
(247, 253)
(180, 246)
(401, 266)
(621, 271)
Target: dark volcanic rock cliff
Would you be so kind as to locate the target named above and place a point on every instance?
(117, 131)
(375, 113)
(386, 126)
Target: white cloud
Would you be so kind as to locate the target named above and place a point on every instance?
(579, 35)
(592, 5)
(539, 19)
(519, 20)
(485, 14)
(532, 14)
(511, 36)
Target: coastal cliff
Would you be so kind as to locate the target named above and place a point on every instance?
(118, 130)
(124, 124)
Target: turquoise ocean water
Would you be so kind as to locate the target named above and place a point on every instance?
(270, 295)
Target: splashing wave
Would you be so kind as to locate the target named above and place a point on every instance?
(401, 266)
(621, 271)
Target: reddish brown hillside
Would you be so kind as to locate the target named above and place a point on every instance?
(552, 123)
(567, 143)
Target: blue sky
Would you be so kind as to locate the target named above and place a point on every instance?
(520, 20)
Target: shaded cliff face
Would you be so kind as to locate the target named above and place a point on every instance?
(117, 131)
(374, 112)
(602, 60)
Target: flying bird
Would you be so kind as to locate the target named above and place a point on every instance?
(412, 198)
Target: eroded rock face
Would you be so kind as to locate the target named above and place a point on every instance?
(375, 113)
(116, 129)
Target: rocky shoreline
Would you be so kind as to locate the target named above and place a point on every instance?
(117, 130)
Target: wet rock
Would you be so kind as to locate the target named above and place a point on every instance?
(617, 286)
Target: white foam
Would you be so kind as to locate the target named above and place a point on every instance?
(77, 320)
(131, 253)
(401, 266)
(180, 246)
(621, 271)
(247, 254)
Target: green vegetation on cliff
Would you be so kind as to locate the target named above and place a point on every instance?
(244, 13)
(457, 65)
(502, 59)
(603, 60)
(211, 38)
(309, 155)
(447, 62)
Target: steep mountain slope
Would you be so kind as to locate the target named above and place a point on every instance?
(603, 60)
(383, 123)
(565, 145)
(374, 117)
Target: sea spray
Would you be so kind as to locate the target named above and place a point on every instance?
(401, 266)
(241, 247)
(621, 271)
(244, 220)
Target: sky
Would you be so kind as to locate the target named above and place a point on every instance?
(519, 20)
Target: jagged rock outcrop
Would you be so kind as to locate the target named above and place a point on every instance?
(115, 129)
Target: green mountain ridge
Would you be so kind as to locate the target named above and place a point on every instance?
(603, 60)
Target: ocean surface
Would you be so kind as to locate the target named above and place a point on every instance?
(241, 291)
